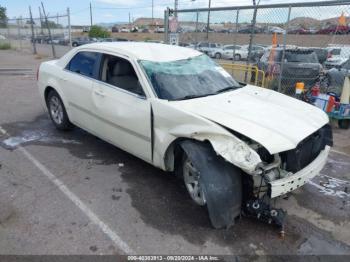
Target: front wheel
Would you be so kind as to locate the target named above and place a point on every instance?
(237, 57)
(212, 181)
(57, 111)
(192, 183)
(217, 55)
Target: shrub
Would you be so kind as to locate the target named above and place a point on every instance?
(98, 31)
(5, 46)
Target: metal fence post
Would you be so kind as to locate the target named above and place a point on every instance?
(32, 29)
(166, 25)
(48, 29)
(196, 30)
(8, 31)
(235, 36)
(19, 32)
(284, 49)
(208, 20)
(251, 39)
(69, 28)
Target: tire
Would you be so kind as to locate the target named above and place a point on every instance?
(74, 44)
(190, 176)
(344, 123)
(217, 55)
(57, 111)
(220, 183)
(237, 57)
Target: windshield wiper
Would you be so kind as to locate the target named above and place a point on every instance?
(226, 89)
(192, 96)
(210, 94)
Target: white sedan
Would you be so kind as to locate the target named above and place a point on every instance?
(235, 52)
(234, 146)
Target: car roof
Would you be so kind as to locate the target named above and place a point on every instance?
(156, 52)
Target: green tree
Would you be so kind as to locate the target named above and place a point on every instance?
(53, 24)
(3, 17)
(98, 31)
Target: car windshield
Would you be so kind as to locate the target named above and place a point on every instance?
(190, 78)
(301, 57)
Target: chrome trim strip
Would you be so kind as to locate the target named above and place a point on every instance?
(147, 139)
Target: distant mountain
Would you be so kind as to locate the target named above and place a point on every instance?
(308, 22)
(109, 25)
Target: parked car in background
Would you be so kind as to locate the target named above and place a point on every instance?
(2, 37)
(159, 30)
(249, 30)
(257, 51)
(337, 55)
(206, 48)
(178, 110)
(299, 65)
(335, 29)
(335, 77)
(224, 52)
(322, 53)
(276, 29)
(299, 31)
(81, 41)
(125, 30)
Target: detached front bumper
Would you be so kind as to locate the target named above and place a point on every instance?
(290, 183)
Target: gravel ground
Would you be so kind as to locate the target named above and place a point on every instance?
(71, 193)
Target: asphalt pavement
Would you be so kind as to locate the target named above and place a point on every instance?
(72, 193)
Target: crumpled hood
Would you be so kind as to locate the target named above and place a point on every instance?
(274, 120)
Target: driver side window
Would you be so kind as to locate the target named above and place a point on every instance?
(120, 73)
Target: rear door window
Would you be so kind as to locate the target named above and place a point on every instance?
(84, 63)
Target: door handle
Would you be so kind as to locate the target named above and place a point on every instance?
(99, 93)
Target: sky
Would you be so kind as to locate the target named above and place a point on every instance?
(107, 11)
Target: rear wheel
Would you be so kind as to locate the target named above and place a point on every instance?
(57, 111)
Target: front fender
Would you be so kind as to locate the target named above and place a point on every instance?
(172, 124)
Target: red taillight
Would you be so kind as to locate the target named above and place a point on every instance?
(329, 55)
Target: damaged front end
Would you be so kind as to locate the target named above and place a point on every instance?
(281, 173)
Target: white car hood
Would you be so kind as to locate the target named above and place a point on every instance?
(274, 120)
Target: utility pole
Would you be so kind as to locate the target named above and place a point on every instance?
(69, 28)
(48, 29)
(152, 12)
(129, 22)
(208, 21)
(176, 7)
(32, 28)
(90, 15)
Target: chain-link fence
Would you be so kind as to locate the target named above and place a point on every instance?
(281, 44)
(48, 35)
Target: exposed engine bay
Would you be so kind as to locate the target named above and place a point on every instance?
(284, 172)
